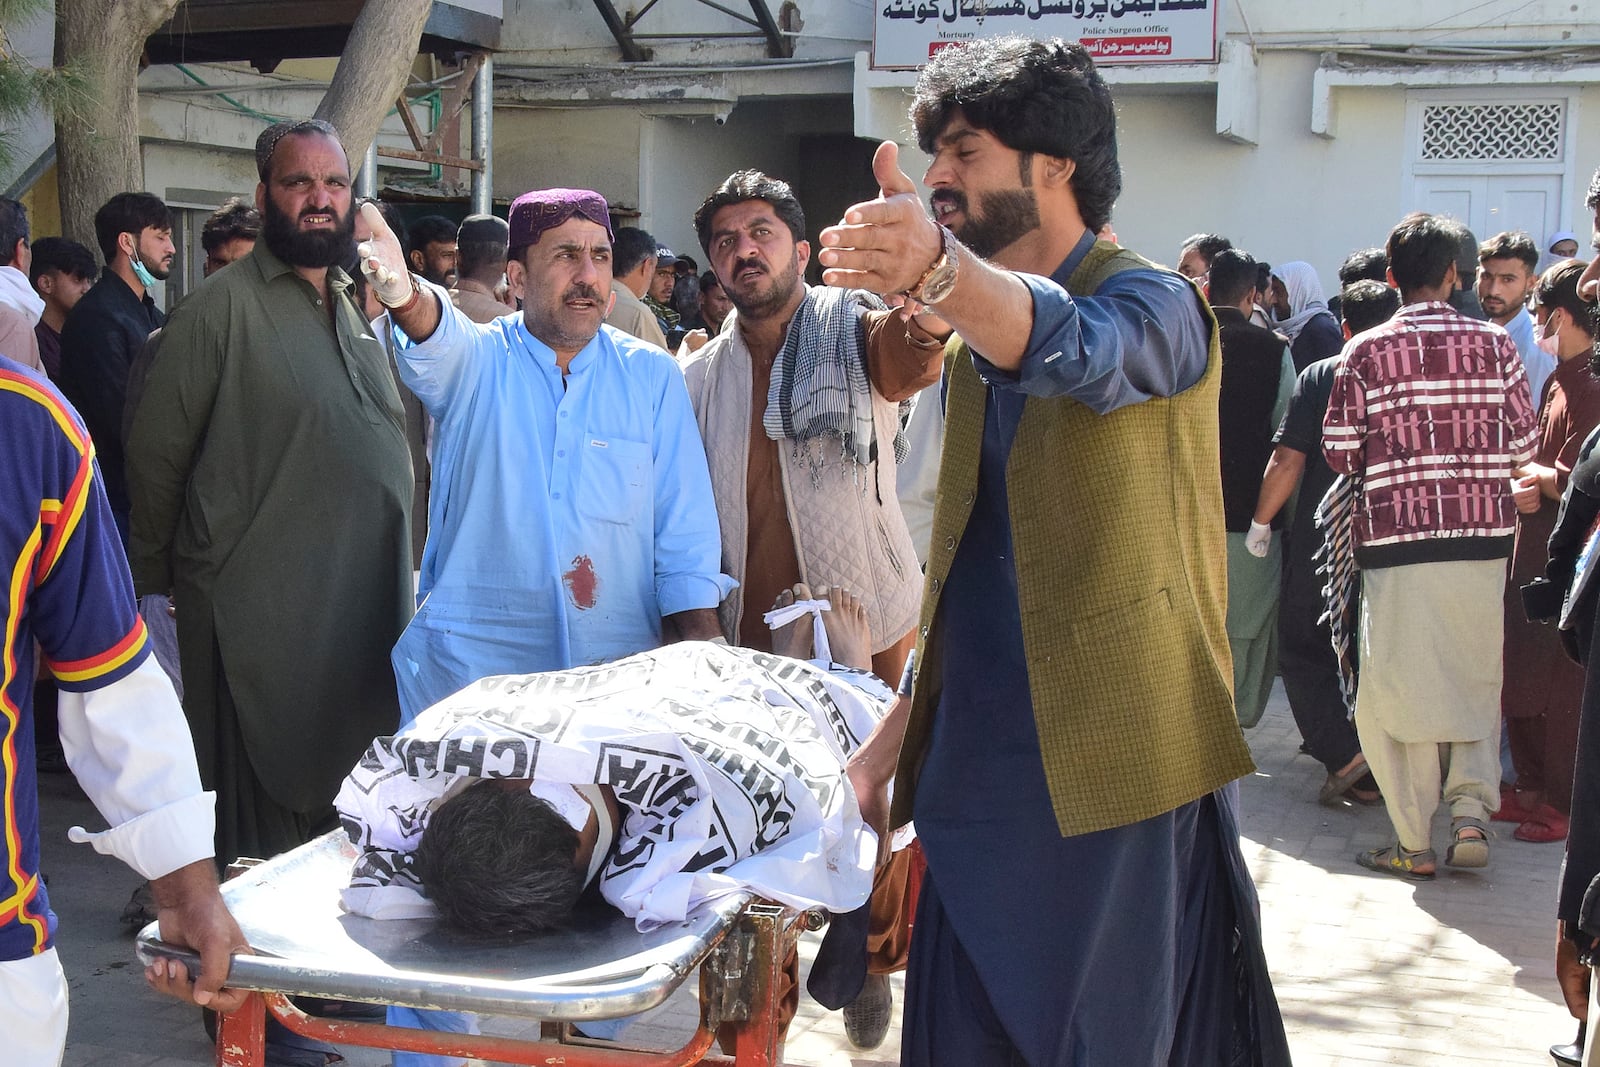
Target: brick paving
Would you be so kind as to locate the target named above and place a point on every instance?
(1368, 969)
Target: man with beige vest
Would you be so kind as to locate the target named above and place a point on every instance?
(799, 403)
(1071, 736)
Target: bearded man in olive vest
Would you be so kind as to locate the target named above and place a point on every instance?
(1071, 736)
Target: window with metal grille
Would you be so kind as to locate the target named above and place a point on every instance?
(1483, 132)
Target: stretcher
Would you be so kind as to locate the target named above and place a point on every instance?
(600, 968)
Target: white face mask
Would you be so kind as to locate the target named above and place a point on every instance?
(1549, 338)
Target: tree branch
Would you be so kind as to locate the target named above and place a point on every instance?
(372, 72)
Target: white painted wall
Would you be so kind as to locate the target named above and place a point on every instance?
(685, 160)
(1290, 195)
(1295, 195)
(1419, 22)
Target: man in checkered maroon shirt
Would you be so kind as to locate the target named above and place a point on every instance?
(1431, 413)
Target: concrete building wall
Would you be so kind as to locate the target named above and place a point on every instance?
(1294, 195)
(1289, 190)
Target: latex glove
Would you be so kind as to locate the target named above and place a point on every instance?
(1258, 540)
(383, 261)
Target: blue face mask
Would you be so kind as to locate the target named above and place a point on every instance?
(146, 279)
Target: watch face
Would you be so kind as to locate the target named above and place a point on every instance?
(939, 284)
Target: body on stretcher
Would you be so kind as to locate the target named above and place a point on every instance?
(601, 967)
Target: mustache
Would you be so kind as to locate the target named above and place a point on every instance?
(582, 291)
(954, 197)
(744, 263)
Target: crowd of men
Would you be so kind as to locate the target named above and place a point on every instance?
(1416, 465)
(584, 449)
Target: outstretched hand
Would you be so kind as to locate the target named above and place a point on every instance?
(382, 259)
(190, 912)
(882, 245)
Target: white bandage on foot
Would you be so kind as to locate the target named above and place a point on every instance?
(783, 616)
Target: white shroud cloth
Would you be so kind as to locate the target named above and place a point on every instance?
(727, 765)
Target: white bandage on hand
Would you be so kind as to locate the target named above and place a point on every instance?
(383, 261)
(1258, 540)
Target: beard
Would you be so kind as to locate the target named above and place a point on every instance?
(156, 269)
(769, 294)
(1006, 216)
(313, 248)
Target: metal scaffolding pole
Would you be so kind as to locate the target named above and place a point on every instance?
(367, 176)
(483, 136)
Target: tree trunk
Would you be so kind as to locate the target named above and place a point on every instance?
(97, 148)
(372, 71)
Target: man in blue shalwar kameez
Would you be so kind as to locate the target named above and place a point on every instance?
(571, 520)
(1070, 742)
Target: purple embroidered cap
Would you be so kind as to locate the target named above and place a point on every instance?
(544, 209)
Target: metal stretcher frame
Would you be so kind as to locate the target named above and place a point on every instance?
(599, 968)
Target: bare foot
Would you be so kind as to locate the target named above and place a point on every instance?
(793, 639)
(849, 636)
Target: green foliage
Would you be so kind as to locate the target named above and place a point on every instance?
(26, 90)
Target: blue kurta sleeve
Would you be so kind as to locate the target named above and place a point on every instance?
(440, 369)
(688, 537)
(1142, 334)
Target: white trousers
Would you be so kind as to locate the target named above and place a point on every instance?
(33, 1010)
(1591, 1044)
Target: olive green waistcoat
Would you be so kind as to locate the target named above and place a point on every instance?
(1118, 537)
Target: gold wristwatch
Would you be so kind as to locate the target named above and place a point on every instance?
(937, 281)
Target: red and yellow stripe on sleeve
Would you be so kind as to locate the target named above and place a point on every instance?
(78, 671)
(60, 517)
(26, 887)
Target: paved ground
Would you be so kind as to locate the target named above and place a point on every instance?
(1369, 970)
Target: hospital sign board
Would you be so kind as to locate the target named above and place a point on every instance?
(907, 32)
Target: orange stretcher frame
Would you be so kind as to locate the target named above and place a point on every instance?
(288, 909)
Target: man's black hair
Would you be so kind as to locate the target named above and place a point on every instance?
(1558, 290)
(743, 185)
(499, 862)
(1034, 96)
(1263, 278)
(630, 246)
(1466, 256)
(1513, 244)
(1369, 264)
(481, 247)
(128, 213)
(267, 140)
(1207, 245)
(60, 254)
(429, 230)
(709, 280)
(235, 220)
(1233, 277)
(1365, 303)
(1421, 249)
(13, 228)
